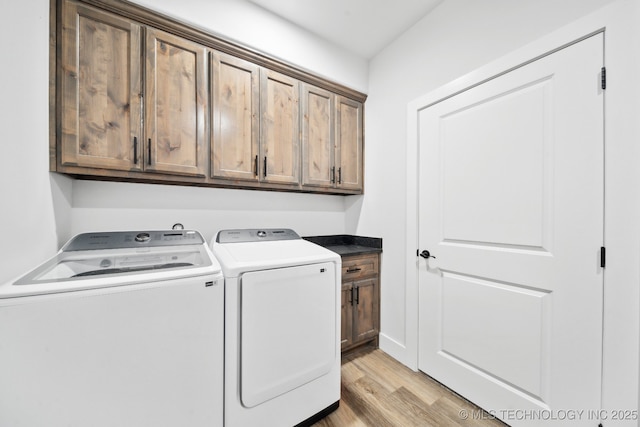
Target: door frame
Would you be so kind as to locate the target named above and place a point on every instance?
(408, 352)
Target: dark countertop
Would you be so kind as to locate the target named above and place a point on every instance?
(345, 244)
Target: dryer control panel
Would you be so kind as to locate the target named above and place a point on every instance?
(256, 235)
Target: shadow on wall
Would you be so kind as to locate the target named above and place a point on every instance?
(61, 196)
(103, 206)
(110, 195)
(353, 210)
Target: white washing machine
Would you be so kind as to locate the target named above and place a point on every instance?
(119, 329)
(282, 328)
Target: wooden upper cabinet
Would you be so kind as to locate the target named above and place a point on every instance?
(349, 128)
(279, 132)
(318, 143)
(99, 89)
(235, 117)
(331, 140)
(175, 105)
(137, 96)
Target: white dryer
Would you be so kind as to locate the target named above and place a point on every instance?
(282, 328)
(119, 329)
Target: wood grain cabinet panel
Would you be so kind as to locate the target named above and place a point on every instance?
(176, 105)
(235, 117)
(346, 335)
(366, 310)
(279, 131)
(360, 300)
(99, 89)
(318, 143)
(332, 141)
(349, 143)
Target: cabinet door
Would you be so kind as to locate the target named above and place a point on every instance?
(279, 132)
(318, 163)
(346, 336)
(367, 311)
(235, 117)
(100, 89)
(175, 106)
(349, 143)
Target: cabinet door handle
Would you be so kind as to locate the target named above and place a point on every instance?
(149, 151)
(357, 295)
(265, 166)
(333, 174)
(353, 269)
(256, 165)
(135, 150)
(340, 175)
(351, 296)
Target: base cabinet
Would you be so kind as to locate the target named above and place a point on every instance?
(360, 301)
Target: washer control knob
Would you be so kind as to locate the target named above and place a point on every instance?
(143, 237)
(262, 233)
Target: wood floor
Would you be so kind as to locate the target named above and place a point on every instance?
(379, 391)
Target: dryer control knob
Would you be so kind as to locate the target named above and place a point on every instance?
(143, 237)
(262, 233)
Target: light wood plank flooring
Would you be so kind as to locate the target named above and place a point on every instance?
(379, 391)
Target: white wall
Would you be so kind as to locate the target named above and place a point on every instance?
(41, 210)
(254, 27)
(457, 38)
(35, 206)
(106, 206)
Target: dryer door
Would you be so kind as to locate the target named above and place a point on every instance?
(288, 329)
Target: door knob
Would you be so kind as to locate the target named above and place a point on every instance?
(426, 254)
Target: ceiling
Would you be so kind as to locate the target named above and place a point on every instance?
(363, 27)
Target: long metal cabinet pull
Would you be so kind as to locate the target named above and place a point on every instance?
(357, 295)
(340, 175)
(351, 296)
(149, 149)
(256, 165)
(333, 174)
(265, 166)
(135, 150)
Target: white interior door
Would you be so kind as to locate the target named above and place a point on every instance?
(511, 206)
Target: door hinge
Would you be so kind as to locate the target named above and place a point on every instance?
(603, 256)
(603, 77)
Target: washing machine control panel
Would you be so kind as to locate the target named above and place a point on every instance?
(256, 235)
(133, 239)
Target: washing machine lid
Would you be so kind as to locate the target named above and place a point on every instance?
(105, 259)
(254, 251)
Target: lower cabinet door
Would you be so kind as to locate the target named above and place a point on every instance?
(366, 318)
(346, 336)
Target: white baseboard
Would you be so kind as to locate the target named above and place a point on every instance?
(396, 350)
